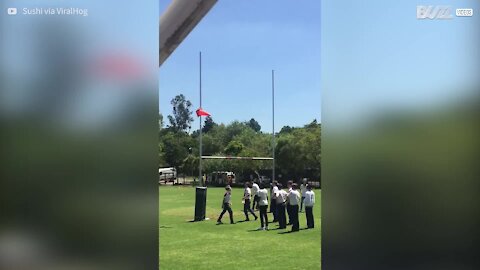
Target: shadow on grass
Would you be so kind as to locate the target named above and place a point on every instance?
(287, 232)
(255, 230)
(241, 221)
(165, 227)
(276, 229)
(193, 221)
(301, 229)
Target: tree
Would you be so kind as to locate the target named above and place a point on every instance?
(161, 155)
(313, 124)
(208, 125)
(160, 120)
(289, 156)
(298, 152)
(254, 125)
(233, 129)
(234, 148)
(211, 145)
(286, 129)
(190, 164)
(176, 147)
(182, 116)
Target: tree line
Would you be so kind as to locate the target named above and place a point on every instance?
(297, 150)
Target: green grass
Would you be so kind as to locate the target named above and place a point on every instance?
(204, 245)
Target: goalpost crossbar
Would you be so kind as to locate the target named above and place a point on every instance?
(231, 157)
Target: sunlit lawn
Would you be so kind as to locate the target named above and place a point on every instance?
(205, 245)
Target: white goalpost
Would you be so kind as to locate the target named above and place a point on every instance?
(201, 192)
(202, 157)
(242, 158)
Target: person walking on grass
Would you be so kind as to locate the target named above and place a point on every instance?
(247, 194)
(294, 200)
(273, 198)
(289, 208)
(263, 205)
(281, 198)
(309, 202)
(303, 189)
(227, 205)
(255, 189)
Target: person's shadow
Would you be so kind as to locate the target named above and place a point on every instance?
(301, 229)
(255, 230)
(287, 232)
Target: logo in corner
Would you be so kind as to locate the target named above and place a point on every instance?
(11, 11)
(434, 12)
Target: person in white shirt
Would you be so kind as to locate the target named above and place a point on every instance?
(247, 194)
(294, 200)
(303, 189)
(263, 205)
(273, 204)
(255, 189)
(281, 198)
(289, 208)
(227, 205)
(309, 202)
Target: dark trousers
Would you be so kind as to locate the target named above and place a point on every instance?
(289, 212)
(255, 201)
(246, 209)
(294, 218)
(309, 215)
(282, 219)
(226, 207)
(273, 209)
(301, 204)
(263, 215)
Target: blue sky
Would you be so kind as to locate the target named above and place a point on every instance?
(376, 57)
(241, 42)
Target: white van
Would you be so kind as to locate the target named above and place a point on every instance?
(167, 174)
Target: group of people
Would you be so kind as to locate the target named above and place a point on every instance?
(282, 203)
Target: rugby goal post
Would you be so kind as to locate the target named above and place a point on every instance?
(241, 158)
(201, 192)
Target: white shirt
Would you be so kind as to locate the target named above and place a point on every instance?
(294, 197)
(303, 189)
(255, 189)
(281, 196)
(263, 195)
(274, 192)
(288, 193)
(309, 198)
(247, 193)
(227, 197)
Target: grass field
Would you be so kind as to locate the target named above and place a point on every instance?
(205, 245)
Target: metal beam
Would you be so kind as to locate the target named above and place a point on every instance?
(244, 158)
(178, 21)
(273, 125)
